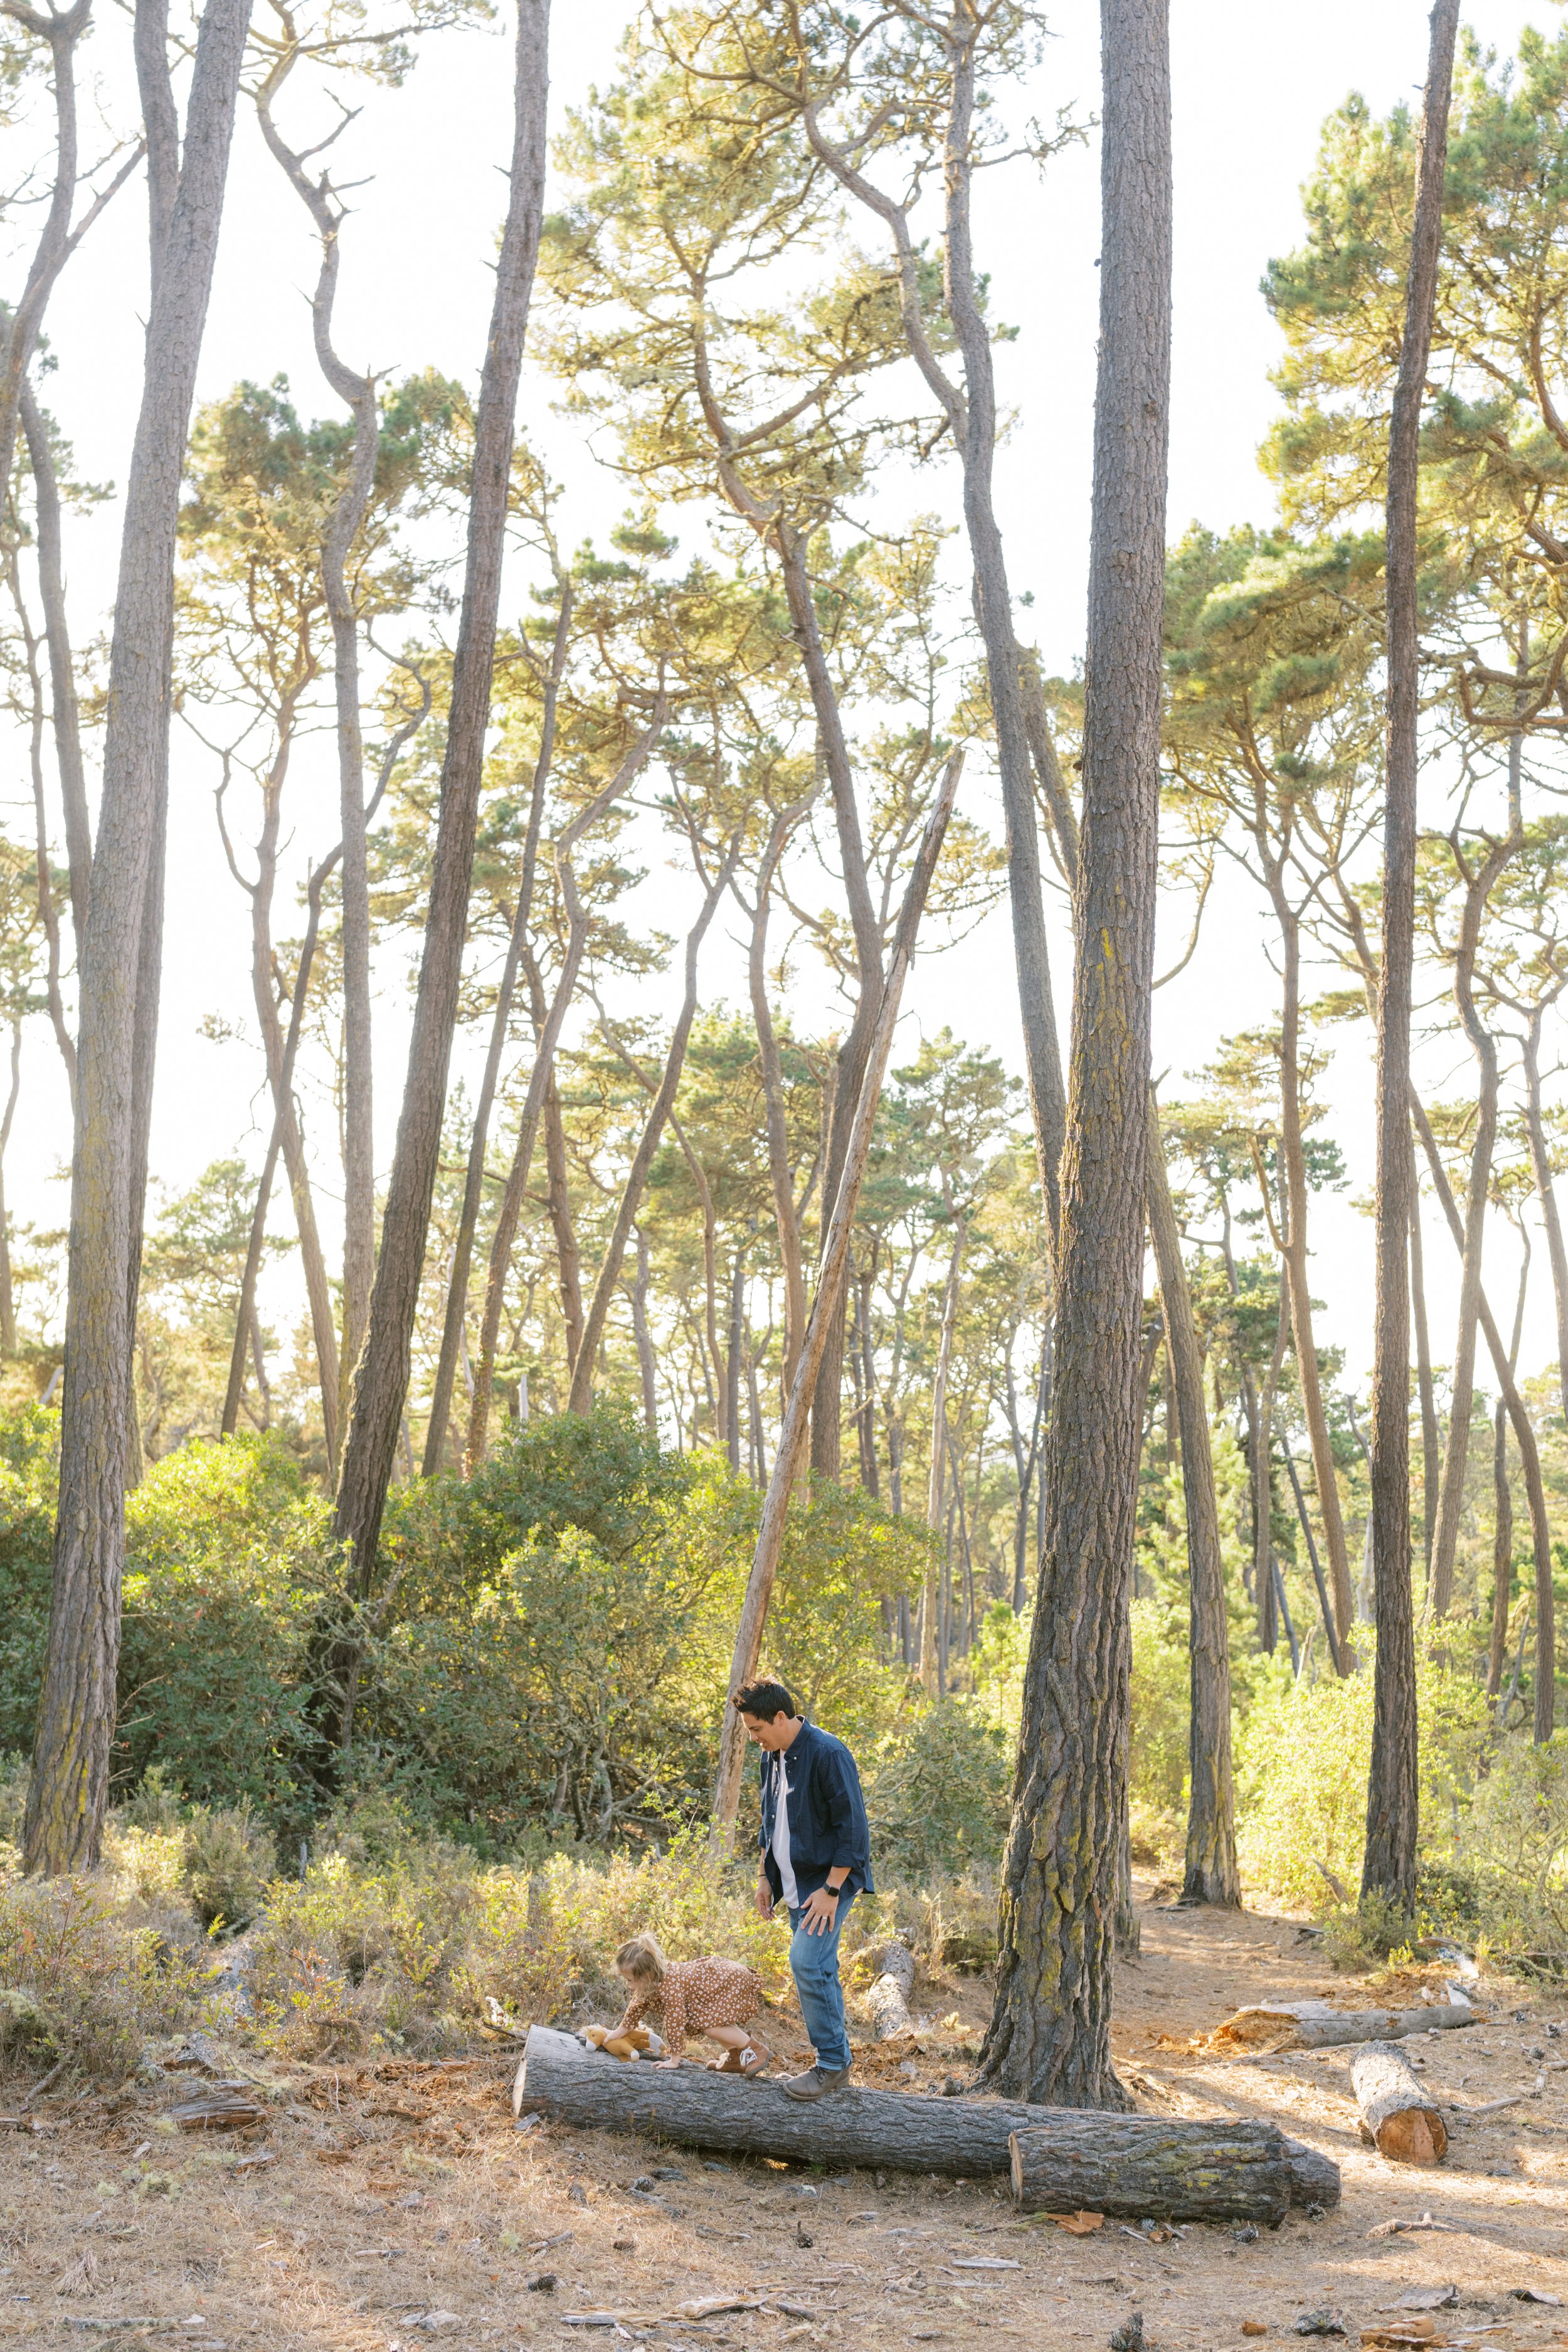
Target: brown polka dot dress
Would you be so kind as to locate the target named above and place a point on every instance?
(693, 1995)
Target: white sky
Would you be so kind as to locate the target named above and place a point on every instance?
(1254, 78)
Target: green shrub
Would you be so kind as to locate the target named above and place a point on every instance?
(224, 1553)
(938, 1799)
(80, 1978)
(226, 1863)
(1303, 1753)
(29, 1444)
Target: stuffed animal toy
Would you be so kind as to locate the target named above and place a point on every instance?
(640, 2041)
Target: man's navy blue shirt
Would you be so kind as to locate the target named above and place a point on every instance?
(827, 1828)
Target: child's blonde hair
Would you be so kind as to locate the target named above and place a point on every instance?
(643, 1958)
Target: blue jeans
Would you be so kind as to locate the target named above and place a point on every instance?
(814, 1964)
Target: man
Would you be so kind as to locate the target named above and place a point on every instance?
(815, 1858)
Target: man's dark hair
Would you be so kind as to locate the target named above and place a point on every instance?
(766, 1701)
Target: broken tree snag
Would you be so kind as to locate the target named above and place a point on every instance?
(1397, 2114)
(1313, 2025)
(895, 2129)
(1138, 2166)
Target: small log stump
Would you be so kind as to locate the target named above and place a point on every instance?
(1397, 2116)
(1136, 2166)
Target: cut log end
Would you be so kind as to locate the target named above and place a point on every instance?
(1397, 2116)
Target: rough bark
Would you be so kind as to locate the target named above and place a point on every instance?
(380, 1381)
(832, 1267)
(1211, 1874)
(1397, 2118)
(1049, 2033)
(1388, 1869)
(693, 2108)
(1142, 2167)
(71, 1765)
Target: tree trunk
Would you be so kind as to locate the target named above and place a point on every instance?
(1137, 2167)
(930, 1670)
(478, 1140)
(18, 341)
(67, 714)
(357, 393)
(381, 1384)
(1330, 1631)
(558, 1200)
(76, 1716)
(852, 1055)
(832, 1265)
(1049, 2033)
(582, 1396)
(1546, 1193)
(7, 1300)
(1396, 2116)
(1430, 1449)
(1298, 1288)
(772, 1068)
(1461, 1383)
(1388, 1869)
(1503, 1550)
(49, 915)
(645, 1339)
(285, 1137)
(691, 2106)
(1211, 1873)
(1529, 1453)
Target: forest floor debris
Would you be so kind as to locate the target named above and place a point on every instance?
(382, 2204)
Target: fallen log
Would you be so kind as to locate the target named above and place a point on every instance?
(888, 2000)
(897, 2130)
(1397, 2118)
(1135, 2166)
(1313, 2025)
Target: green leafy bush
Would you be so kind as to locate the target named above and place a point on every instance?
(938, 1799)
(84, 1976)
(223, 1580)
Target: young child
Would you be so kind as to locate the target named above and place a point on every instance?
(717, 1998)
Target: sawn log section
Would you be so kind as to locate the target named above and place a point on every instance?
(1150, 2165)
(896, 2129)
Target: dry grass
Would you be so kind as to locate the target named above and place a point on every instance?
(392, 2190)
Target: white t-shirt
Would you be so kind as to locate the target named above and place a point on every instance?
(781, 1842)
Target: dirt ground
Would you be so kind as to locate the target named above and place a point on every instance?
(384, 2207)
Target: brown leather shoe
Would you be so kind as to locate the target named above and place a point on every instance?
(815, 2083)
